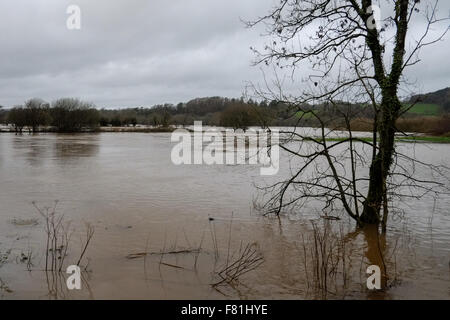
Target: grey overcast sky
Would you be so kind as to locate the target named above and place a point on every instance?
(144, 52)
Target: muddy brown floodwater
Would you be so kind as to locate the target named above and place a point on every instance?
(202, 219)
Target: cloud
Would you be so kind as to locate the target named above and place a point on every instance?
(139, 53)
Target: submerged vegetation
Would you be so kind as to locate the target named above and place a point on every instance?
(51, 257)
(59, 234)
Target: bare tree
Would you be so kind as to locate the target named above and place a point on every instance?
(356, 58)
(36, 113)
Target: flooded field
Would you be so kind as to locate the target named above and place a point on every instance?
(172, 232)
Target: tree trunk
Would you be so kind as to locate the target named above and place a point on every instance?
(380, 167)
(371, 210)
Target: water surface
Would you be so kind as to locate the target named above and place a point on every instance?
(127, 187)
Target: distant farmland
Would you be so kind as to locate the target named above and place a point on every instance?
(426, 109)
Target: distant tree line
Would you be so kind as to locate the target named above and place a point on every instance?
(74, 115)
(3, 114)
(214, 111)
(63, 115)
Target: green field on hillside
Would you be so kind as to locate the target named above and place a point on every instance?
(425, 109)
(306, 115)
